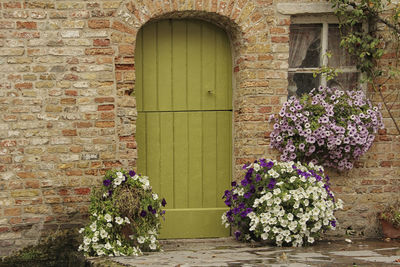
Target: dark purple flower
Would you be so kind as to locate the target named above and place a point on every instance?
(270, 165)
(263, 163)
(260, 188)
(249, 173)
(132, 173)
(227, 194)
(236, 210)
(153, 211)
(228, 202)
(237, 234)
(244, 182)
(110, 192)
(234, 184)
(162, 212)
(258, 177)
(252, 189)
(107, 182)
(241, 205)
(333, 223)
(149, 208)
(247, 195)
(143, 213)
(163, 202)
(235, 197)
(245, 166)
(272, 183)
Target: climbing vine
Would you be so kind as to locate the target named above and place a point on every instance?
(370, 29)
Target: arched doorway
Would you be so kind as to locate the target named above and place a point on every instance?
(184, 127)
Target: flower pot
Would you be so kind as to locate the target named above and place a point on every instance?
(389, 231)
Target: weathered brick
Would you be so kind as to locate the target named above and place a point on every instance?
(12, 212)
(25, 193)
(122, 27)
(105, 107)
(30, 25)
(69, 132)
(104, 124)
(99, 23)
(99, 51)
(101, 42)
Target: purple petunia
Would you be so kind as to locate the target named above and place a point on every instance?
(143, 213)
(163, 202)
(107, 182)
(132, 173)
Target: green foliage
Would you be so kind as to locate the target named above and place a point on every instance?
(57, 249)
(124, 216)
(364, 39)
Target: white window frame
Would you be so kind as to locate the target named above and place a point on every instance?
(325, 20)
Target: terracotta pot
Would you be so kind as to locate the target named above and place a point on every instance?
(389, 231)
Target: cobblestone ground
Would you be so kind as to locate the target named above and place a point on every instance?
(228, 252)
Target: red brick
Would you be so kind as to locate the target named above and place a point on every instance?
(32, 184)
(131, 145)
(26, 175)
(104, 99)
(124, 67)
(7, 25)
(105, 124)
(105, 107)
(122, 27)
(63, 192)
(74, 173)
(30, 25)
(71, 92)
(8, 143)
(127, 138)
(26, 35)
(15, 220)
(4, 230)
(91, 172)
(98, 23)
(82, 191)
(126, 49)
(12, 4)
(83, 124)
(265, 109)
(101, 42)
(12, 212)
(23, 85)
(279, 39)
(69, 133)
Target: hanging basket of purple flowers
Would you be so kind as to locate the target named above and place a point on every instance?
(285, 203)
(124, 216)
(329, 127)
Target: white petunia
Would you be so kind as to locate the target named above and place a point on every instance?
(127, 220)
(108, 246)
(87, 240)
(153, 246)
(155, 196)
(108, 217)
(141, 239)
(93, 226)
(81, 230)
(109, 225)
(119, 220)
(95, 239)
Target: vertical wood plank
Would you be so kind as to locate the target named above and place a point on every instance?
(224, 164)
(194, 80)
(139, 71)
(150, 67)
(167, 157)
(195, 160)
(141, 142)
(153, 156)
(208, 66)
(223, 71)
(164, 54)
(179, 87)
(181, 149)
(209, 159)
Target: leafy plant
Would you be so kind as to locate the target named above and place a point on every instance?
(328, 126)
(57, 249)
(369, 43)
(391, 214)
(124, 216)
(283, 202)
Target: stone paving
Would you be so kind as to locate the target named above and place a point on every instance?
(228, 252)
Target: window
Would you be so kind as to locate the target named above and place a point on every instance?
(310, 40)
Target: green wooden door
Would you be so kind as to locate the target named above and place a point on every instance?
(184, 101)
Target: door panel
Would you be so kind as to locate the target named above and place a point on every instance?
(183, 91)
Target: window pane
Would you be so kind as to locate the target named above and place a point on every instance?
(305, 45)
(345, 81)
(300, 83)
(340, 57)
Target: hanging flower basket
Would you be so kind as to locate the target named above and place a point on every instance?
(329, 127)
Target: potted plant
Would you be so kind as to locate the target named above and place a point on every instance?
(390, 220)
(285, 203)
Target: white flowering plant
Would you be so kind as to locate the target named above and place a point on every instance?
(286, 203)
(124, 217)
(328, 126)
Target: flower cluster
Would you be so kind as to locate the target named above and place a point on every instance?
(125, 216)
(286, 203)
(328, 126)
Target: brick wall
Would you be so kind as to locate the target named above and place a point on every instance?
(68, 109)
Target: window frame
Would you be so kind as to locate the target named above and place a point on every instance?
(325, 21)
